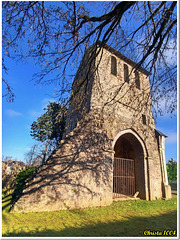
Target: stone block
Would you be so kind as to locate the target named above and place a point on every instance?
(167, 192)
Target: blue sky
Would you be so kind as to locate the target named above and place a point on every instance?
(30, 100)
(17, 117)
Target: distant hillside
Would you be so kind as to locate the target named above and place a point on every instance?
(10, 169)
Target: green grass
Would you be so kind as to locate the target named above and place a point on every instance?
(121, 218)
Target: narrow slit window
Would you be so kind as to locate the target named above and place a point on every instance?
(144, 119)
(126, 73)
(137, 80)
(113, 65)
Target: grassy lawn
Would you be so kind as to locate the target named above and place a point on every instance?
(121, 218)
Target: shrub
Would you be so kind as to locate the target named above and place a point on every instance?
(21, 180)
(172, 171)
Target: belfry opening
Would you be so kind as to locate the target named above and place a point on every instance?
(128, 167)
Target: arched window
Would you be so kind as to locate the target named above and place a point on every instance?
(137, 80)
(126, 73)
(113, 65)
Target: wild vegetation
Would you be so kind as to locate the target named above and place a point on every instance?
(172, 171)
(10, 169)
(49, 128)
(21, 180)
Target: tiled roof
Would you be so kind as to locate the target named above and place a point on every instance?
(159, 133)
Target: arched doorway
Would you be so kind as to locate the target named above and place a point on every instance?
(129, 169)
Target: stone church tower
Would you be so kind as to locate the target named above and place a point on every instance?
(111, 149)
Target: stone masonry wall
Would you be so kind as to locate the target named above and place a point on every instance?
(78, 175)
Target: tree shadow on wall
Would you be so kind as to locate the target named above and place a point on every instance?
(81, 154)
(132, 227)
